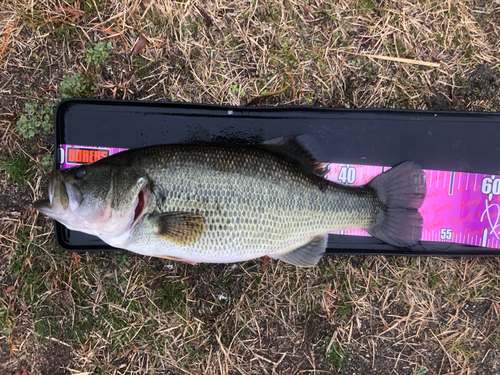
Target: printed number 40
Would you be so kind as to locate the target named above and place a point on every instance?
(347, 175)
(446, 234)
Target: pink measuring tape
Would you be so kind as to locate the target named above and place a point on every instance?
(459, 207)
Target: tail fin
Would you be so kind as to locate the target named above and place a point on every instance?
(401, 192)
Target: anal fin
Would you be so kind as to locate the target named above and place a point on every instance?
(307, 255)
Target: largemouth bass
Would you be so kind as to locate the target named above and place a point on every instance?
(221, 204)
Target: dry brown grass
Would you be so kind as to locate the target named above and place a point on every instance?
(116, 313)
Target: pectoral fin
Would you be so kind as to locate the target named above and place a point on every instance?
(183, 228)
(307, 255)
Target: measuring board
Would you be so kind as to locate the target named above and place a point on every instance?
(458, 208)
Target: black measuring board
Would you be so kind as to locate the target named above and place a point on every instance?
(450, 141)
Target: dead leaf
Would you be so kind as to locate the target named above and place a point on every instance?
(140, 45)
(309, 17)
(9, 289)
(259, 98)
(206, 17)
(73, 14)
(76, 258)
(12, 346)
(80, 44)
(127, 74)
(264, 262)
(22, 370)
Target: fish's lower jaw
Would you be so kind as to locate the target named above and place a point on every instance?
(112, 226)
(45, 207)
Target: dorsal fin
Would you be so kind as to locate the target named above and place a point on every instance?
(301, 148)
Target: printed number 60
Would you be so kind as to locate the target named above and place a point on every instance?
(490, 185)
(446, 234)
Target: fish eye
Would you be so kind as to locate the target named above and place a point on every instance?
(80, 172)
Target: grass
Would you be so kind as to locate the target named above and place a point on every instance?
(98, 53)
(74, 86)
(37, 116)
(17, 168)
(336, 356)
(118, 313)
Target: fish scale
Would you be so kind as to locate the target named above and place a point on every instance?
(267, 206)
(215, 203)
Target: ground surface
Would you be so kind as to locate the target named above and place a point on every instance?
(117, 313)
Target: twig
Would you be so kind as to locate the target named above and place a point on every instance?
(398, 59)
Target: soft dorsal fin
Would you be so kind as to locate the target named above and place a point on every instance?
(307, 255)
(183, 228)
(301, 148)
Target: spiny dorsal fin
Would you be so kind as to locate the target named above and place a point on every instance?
(302, 148)
(183, 228)
(307, 255)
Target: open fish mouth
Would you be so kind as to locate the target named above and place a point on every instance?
(62, 196)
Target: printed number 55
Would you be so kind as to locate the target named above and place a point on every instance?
(446, 234)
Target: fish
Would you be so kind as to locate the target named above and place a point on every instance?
(219, 203)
